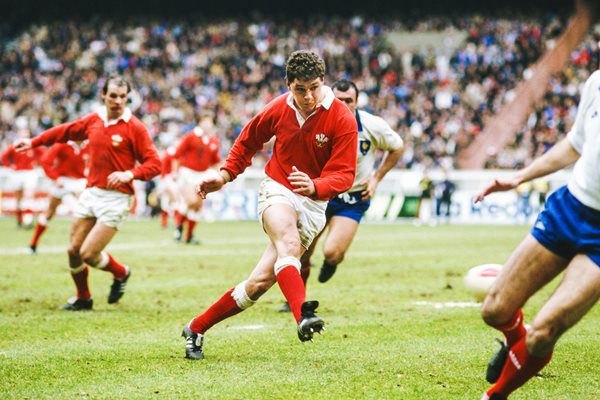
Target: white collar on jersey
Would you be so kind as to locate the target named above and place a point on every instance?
(103, 114)
(198, 131)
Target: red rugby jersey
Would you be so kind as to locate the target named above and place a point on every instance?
(197, 151)
(324, 146)
(23, 161)
(117, 145)
(65, 159)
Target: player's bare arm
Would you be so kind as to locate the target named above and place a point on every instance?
(212, 184)
(560, 156)
(304, 185)
(389, 161)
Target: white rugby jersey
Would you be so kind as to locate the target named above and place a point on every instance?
(373, 134)
(584, 136)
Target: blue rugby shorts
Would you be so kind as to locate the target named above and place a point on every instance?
(568, 227)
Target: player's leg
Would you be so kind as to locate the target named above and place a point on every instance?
(305, 266)
(111, 209)
(194, 207)
(341, 233)
(30, 188)
(280, 224)
(42, 222)
(291, 234)
(19, 207)
(181, 208)
(577, 293)
(235, 300)
(529, 268)
(305, 259)
(80, 228)
(92, 252)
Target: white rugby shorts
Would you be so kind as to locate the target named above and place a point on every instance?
(67, 186)
(26, 180)
(109, 207)
(311, 213)
(188, 177)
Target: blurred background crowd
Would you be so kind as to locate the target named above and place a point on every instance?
(437, 95)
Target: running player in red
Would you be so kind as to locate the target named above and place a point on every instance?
(313, 159)
(195, 155)
(64, 165)
(118, 141)
(22, 179)
(167, 188)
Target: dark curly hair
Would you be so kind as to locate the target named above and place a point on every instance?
(304, 65)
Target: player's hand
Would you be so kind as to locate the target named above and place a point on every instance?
(210, 184)
(22, 144)
(497, 185)
(302, 182)
(119, 178)
(369, 191)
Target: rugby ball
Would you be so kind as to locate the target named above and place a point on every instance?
(478, 280)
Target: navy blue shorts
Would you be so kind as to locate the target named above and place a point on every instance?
(567, 227)
(347, 205)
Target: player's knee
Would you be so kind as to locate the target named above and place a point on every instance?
(89, 256)
(334, 255)
(290, 246)
(73, 251)
(494, 312)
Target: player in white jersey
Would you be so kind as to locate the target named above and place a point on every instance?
(345, 211)
(565, 237)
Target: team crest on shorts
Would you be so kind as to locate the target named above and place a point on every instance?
(321, 139)
(364, 146)
(116, 140)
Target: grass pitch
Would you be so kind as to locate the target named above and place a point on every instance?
(399, 322)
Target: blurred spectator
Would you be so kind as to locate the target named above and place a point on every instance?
(443, 198)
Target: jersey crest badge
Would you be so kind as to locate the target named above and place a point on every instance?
(116, 140)
(364, 146)
(321, 139)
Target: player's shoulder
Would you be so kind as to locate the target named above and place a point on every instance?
(595, 76)
(137, 124)
(371, 120)
(277, 103)
(593, 82)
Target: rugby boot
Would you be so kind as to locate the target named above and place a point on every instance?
(309, 323)
(193, 344)
(117, 289)
(75, 304)
(496, 364)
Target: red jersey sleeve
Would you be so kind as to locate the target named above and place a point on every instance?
(74, 130)
(145, 153)
(252, 138)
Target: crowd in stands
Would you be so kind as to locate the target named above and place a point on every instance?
(438, 97)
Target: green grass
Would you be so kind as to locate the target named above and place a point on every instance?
(384, 340)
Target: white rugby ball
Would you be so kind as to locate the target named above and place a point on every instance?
(478, 280)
